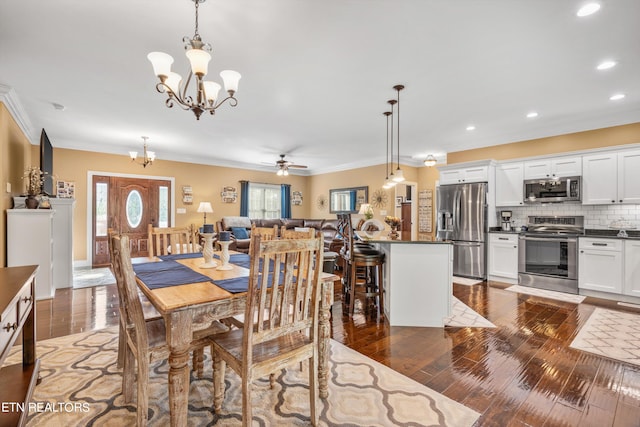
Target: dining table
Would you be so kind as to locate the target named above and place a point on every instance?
(189, 296)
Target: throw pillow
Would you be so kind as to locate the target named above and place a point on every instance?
(239, 233)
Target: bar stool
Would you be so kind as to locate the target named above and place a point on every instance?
(362, 261)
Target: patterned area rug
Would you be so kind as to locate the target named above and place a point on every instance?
(560, 296)
(81, 386)
(465, 281)
(464, 317)
(612, 334)
(86, 277)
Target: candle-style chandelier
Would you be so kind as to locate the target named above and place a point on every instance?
(147, 156)
(206, 92)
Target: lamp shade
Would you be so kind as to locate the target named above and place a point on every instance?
(199, 60)
(211, 90)
(173, 82)
(364, 209)
(161, 63)
(230, 79)
(399, 175)
(205, 207)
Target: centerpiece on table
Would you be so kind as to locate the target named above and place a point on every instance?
(394, 223)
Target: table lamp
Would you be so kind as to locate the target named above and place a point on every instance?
(205, 207)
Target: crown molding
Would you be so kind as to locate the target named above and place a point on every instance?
(10, 99)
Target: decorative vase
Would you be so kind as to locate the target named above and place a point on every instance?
(31, 202)
(393, 234)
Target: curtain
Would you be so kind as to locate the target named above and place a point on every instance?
(353, 199)
(244, 198)
(285, 200)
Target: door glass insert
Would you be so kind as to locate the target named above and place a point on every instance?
(134, 209)
(163, 206)
(102, 197)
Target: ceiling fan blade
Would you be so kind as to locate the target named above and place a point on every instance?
(298, 166)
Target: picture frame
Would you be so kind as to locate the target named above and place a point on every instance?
(399, 201)
(66, 189)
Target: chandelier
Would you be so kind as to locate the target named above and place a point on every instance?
(148, 156)
(206, 92)
(430, 161)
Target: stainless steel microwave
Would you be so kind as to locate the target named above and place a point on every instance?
(552, 190)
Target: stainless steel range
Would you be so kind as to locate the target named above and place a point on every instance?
(548, 253)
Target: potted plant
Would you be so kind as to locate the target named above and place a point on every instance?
(394, 223)
(34, 178)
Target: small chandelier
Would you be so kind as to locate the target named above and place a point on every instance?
(430, 161)
(148, 156)
(206, 92)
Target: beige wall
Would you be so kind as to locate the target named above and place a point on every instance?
(206, 181)
(606, 137)
(15, 157)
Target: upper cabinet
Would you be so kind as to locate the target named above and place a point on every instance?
(611, 177)
(553, 168)
(509, 184)
(465, 173)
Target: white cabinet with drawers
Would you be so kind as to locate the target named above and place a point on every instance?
(503, 257)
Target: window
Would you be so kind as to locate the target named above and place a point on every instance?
(102, 196)
(163, 206)
(264, 201)
(134, 209)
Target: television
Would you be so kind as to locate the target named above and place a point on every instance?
(46, 164)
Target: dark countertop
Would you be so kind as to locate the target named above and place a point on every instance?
(590, 232)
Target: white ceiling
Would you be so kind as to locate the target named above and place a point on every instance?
(316, 75)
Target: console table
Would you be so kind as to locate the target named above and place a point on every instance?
(17, 314)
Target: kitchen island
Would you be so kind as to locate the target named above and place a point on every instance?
(417, 281)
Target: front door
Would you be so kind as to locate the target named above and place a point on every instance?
(127, 206)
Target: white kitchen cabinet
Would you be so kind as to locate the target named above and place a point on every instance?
(600, 264)
(509, 184)
(629, 176)
(30, 242)
(467, 172)
(611, 177)
(631, 268)
(503, 257)
(553, 168)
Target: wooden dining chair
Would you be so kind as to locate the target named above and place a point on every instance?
(285, 310)
(145, 339)
(149, 312)
(295, 234)
(172, 240)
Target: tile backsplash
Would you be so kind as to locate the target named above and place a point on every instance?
(595, 216)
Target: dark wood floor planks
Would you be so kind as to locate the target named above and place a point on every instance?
(521, 373)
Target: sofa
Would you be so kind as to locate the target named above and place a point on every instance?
(236, 224)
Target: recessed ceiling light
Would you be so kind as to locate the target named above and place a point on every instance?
(616, 97)
(471, 127)
(532, 114)
(588, 9)
(605, 65)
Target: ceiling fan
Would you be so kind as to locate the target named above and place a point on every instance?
(284, 165)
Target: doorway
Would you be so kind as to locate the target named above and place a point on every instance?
(127, 205)
(406, 208)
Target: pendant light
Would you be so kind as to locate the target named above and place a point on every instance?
(392, 178)
(387, 181)
(399, 175)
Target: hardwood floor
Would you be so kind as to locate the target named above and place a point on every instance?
(522, 373)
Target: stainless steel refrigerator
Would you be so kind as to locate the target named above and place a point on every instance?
(462, 218)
